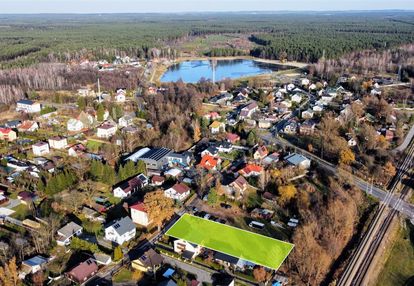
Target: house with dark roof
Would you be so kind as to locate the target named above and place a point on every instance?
(120, 231)
(154, 159)
(34, 264)
(130, 186)
(150, 261)
(28, 106)
(178, 192)
(248, 110)
(66, 233)
(83, 271)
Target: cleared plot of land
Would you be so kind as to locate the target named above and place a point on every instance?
(246, 245)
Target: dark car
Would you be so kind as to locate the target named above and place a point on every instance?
(225, 206)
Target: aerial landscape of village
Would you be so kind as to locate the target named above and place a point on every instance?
(183, 143)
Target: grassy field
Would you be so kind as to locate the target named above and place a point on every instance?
(233, 241)
(93, 146)
(399, 268)
(124, 275)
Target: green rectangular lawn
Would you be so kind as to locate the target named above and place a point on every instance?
(246, 245)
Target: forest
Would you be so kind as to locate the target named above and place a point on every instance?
(29, 39)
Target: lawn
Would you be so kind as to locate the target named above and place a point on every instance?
(93, 146)
(249, 246)
(399, 268)
(124, 275)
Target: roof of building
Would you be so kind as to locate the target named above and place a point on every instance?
(151, 258)
(251, 168)
(84, 270)
(216, 124)
(40, 144)
(232, 137)
(139, 207)
(5, 130)
(69, 229)
(156, 154)
(122, 225)
(209, 162)
(295, 159)
(180, 188)
(26, 101)
(36, 260)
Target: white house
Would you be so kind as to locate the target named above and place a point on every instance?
(217, 127)
(126, 120)
(106, 130)
(74, 125)
(28, 106)
(178, 192)
(28, 126)
(308, 114)
(58, 142)
(66, 233)
(120, 231)
(130, 186)
(139, 214)
(40, 149)
(297, 98)
(120, 95)
(184, 247)
(34, 264)
(298, 160)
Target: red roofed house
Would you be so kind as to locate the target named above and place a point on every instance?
(128, 187)
(83, 271)
(232, 138)
(260, 153)
(139, 214)
(209, 162)
(239, 185)
(157, 180)
(251, 170)
(212, 115)
(7, 134)
(178, 192)
(28, 126)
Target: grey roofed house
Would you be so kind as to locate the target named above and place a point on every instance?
(155, 158)
(122, 225)
(13, 123)
(151, 259)
(67, 232)
(180, 158)
(298, 160)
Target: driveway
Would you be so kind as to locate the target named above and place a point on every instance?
(202, 275)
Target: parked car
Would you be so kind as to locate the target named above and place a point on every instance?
(225, 206)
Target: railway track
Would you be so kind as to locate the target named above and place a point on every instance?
(359, 266)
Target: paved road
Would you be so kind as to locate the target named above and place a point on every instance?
(407, 140)
(202, 275)
(393, 201)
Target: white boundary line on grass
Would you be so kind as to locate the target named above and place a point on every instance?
(249, 260)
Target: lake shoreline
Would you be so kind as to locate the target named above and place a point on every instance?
(162, 68)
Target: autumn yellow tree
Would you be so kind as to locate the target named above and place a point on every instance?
(389, 169)
(9, 275)
(346, 157)
(159, 207)
(260, 274)
(196, 131)
(286, 193)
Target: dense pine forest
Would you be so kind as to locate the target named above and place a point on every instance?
(29, 39)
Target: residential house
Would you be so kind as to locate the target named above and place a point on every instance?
(308, 114)
(222, 98)
(224, 146)
(66, 233)
(74, 125)
(106, 130)
(173, 173)
(180, 159)
(7, 134)
(83, 271)
(120, 95)
(238, 187)
(186, 249)
(102, 259)
(157, 180)
(139, 214)
(264, 124)
(217, 127)
(28, 126)
(40, 149)
(178, 192)
(34, 264)
(232, 138)
(58, 142)
(260, 153)
(26, 197)
(130, 186)
(307, 127)
(120, 231)
(85, 91)
(212, 151)
(77, 150)
(271, 159)
(298, 160)
(212, 115)
(251, 170)
(209, 162)
(13, 124)
(248, 110)
(290, 127)
(296, 98)
(126, 120)
(150, 261)
(28, 106)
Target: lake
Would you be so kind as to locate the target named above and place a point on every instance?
(193, 71)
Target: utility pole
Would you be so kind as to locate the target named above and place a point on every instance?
(213, 66)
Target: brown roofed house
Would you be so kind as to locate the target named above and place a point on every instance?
(83, 271)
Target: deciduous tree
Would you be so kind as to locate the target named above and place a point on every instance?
(159, 207)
